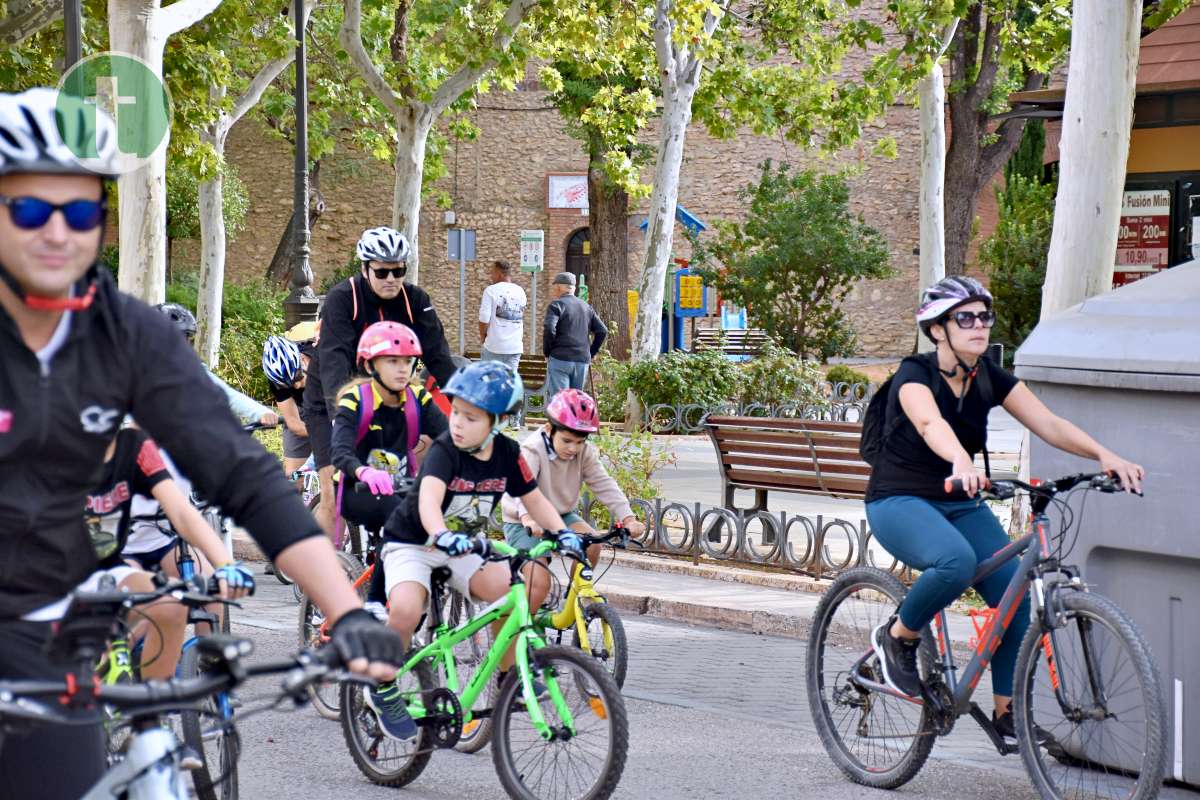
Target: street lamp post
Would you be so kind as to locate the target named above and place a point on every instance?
(73, 32)
(301, 304)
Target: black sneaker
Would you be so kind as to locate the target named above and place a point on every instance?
(1006, 726)
(898, 659)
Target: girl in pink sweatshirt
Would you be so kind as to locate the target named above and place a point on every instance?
(563, 461)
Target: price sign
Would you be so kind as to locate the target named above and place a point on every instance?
(1143, 238)
(690, 298)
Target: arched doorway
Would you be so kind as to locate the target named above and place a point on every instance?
(579, 248)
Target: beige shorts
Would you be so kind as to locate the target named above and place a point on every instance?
(415, 563)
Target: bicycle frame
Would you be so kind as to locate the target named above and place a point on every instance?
(581, 589)
(1036, 560)
(150, 769)
(519, 628)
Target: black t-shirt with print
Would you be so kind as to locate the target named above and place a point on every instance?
(473, 487)
(907, 466)
(135, 468)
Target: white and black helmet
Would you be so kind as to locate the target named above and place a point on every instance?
(948, 294)
(382, 244)
(42, 130)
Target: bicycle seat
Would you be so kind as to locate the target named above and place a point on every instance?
(438, 579)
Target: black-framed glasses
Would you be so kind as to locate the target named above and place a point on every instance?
(966, 319)
(382, 273)
(31, 213)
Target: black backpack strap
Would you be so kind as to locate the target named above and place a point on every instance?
(983, 381)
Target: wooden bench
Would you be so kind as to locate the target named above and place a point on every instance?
(531, 368)
(734, 342)
(788, 455)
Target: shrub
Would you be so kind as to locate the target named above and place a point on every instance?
(631, 459)
(840, 373)
(780, 376)
(249, 314)
(607, 378)
(794, 257)
(705, 377)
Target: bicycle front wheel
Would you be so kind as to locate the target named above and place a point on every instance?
(1088, 705)
(210, 733)
(325, 696)
(877, 739)
(606, 639)
(386, 761)
(585, 756)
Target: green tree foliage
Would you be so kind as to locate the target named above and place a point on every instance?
(1015, 256)
(794, 257)
(183, 204)
(1027, 159)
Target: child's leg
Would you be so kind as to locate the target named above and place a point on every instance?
(407, 569)
(167, 622)
(404, 613)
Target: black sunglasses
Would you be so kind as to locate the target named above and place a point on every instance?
(382, 273)
(966, 319)
(31, 213)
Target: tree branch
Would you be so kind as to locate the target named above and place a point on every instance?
(453, 87)
(350, 35)
(184, 14)
(662, 38)
(26, 18)
(989, 62)
(1008, 135)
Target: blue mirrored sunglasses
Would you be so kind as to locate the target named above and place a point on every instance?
(31, 212)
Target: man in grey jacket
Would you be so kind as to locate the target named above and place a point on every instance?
(572, 335)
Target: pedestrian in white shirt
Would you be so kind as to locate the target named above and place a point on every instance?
(501, 318)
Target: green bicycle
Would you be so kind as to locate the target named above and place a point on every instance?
(570, 742)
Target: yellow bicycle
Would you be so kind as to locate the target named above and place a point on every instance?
(596, 627)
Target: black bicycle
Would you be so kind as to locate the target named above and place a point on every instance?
(1088, 705)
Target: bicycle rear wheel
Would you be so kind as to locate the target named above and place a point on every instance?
(1108, 742)
(205, 732)
(584, 763)
(385, 761)
(469, 656)
(325, 696)
(606, 639)
(876, 739)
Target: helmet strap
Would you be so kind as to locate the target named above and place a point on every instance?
(969, 372)
(377, 378)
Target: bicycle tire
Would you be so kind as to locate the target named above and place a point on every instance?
(471, 653)
(356, 717)
(325, 697)
(599, 701)
(888, 593)
(217, 777)
(1079, 746)
(616, 661)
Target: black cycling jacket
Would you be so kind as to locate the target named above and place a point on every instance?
(120, 356)
(349, 308)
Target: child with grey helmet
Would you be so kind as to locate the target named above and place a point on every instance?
(936, 411)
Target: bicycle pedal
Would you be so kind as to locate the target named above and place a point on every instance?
(189, 759)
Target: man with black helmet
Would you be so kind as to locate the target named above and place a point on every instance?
(378, 293)
(78, 356)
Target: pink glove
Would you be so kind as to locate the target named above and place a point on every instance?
(378, 481)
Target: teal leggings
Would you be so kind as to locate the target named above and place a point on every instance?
(946, 541)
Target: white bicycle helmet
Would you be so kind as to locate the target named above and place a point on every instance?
(946, 295)
(382, 244)
(41, 130)
(281, 361)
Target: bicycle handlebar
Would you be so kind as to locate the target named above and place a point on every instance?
(17, 698)
(1005, 489)
(400, 485)
(253, 427)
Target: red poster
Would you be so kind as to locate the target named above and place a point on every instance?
(1143, 239)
